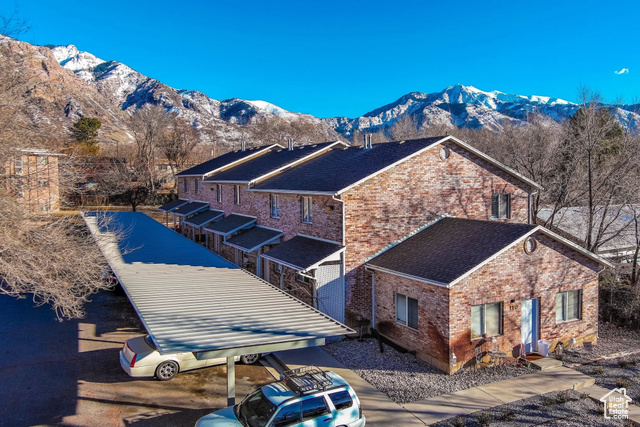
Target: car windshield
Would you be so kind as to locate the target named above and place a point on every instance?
(150, 342)
(256, 410)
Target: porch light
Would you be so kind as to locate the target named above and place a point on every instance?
(453, 360)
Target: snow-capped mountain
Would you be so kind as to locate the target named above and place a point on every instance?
(457, 105)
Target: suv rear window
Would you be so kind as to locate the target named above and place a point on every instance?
(313, 408)
(341, 400)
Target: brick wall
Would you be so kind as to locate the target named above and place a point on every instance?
(444, 320)
(40, 182)
(431, 340)
(517, 276)
(410, 195)
(327, 213)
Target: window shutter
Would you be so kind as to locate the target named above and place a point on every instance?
(413, 312)
(508, 205)
(495, 205)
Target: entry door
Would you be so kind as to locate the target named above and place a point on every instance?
(529, 326)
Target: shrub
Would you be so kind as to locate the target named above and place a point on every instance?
(622, 383)
(484, 418)
(557, 399)
(458, 422)
(584, 395)
(507, 415)
(598, 370)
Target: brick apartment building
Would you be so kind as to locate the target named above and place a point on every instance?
(34, 177)
(316, 220)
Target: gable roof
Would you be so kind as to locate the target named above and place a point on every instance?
(340, 168)
(452, 248)
(303, 252)
(270, 162)
(225, 161)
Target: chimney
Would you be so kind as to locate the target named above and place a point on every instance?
(290, 144)
(242, 148)
(370, 142)
(364, 145)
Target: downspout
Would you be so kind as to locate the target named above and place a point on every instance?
(373, 299)
(344, 262)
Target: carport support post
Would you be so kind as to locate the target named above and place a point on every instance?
(231, 381)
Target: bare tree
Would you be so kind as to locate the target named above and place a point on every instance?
(51, 258)
(178, 144)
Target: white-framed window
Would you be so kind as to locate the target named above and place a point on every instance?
(407, 311)
(196, 184)
(486, 319)
(305, 209)
(275, 206)
(236, 194)
(186, 185)
(303, 278)
(501, 205)
(18, 166)
(43, 183)
(568, 306)
(219, 193)
(19, 184)
(42, 160)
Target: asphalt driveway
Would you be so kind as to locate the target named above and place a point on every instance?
(68, 373)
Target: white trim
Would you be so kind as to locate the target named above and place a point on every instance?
(311, 193)
(206, 222)
(317, 264)
(296, 162)
(319, 238)
(408, 276)
(266, 242)
(493, 161)
(578, 248)
(491, 257)
(286, 264)
(250, 156)
(378, 172)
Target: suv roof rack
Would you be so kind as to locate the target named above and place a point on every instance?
(306, 379)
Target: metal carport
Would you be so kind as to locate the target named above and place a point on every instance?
(192, 300)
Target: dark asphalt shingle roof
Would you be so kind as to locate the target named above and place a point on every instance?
(265, 163)
(168, 207)
(218, 162)
(449, 248)
(254, 238)
(340, 168)
(229, 224)
(191, 208)
(204, 218)
(302, 252)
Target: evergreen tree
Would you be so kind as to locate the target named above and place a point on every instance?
(85, 134)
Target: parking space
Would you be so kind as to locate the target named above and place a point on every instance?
(68, 373)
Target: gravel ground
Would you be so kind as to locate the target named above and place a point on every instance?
(611, 340)
(403, 377)
(569, 408)
(613, 373)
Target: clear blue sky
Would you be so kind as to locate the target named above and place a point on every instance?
(344, 58)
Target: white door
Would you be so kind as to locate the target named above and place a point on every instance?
(330, 291)
(529, 326)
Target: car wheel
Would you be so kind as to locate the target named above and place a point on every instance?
(166, 370)
(249, 359)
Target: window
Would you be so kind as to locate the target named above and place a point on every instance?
(303, 278)
(275, 209)
(186, 185)
(288, 415)
(306, 209)
(486, 319)
(407, 311)
(341, 400)
(44, 183)
(501, 205)
(236, 194)
(219, 193)
(19, 183)
(18, 166)
(314, 408)
(196, 185)
(42, 160)
(568, 306)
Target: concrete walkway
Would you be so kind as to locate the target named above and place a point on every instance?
(382, 411)
(596, 393)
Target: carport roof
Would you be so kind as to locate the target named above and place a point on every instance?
(192, 300)
(231, 224)
(254, 238)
